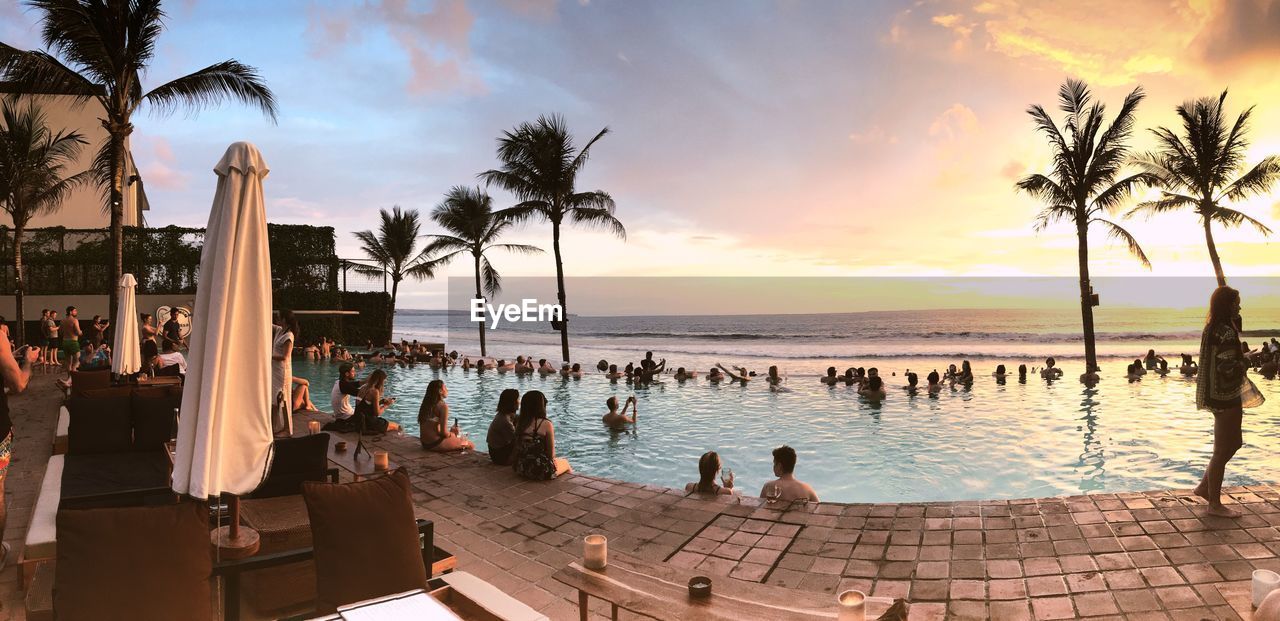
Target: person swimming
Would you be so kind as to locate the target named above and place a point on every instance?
(1000, 372)
(830, 379)
(966, 374)
(874, 390)
(913, 381)
(715, 375)
(1050, 370)
(1151, 361)
(935, 382)
(614, 373)
(682, 374)
(1022, 373)
(1189, 366)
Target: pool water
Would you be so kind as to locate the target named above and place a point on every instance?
(993, 441)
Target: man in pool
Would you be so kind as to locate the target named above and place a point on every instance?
(615, 419)
(1050, 372)
(786, 487)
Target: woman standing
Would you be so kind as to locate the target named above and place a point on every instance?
(284, 331)
(433, 422)
(147, 329)
(1222, 388)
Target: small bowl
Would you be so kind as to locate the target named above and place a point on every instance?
(700, 586)
(340, 446)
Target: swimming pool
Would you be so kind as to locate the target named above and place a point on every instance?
(993, 442)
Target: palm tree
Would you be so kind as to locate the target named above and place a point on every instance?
(33, 178)
(1195, 170)
(1082, 186)
(468, 214)
(99, 49)
(540, 167)
(393, 250)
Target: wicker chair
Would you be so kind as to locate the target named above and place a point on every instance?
(277, 512)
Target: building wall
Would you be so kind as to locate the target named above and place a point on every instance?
(84, 207)
(88, 305)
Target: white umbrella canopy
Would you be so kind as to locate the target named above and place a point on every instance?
(126, 357)
(224, 435)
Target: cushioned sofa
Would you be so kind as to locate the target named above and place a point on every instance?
(115, 457)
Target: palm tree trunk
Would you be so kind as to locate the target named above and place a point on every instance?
(479, 296)
(564, 308)
(1213, 253)
(391, 320)
(1086, 298)
(18, 229)
(118, 134)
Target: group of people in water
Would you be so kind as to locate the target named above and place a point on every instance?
(520, 434)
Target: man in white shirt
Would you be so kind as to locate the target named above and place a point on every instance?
(344, 388)
(171, 357)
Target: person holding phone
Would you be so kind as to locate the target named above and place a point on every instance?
(615, 419)
(15, 367)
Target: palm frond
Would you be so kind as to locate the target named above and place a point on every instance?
(1054, 213)
(228, 79)
(517, 248)
(1232, 218)
(1257, 181)
(1115, 231)
(1168, 201)
(491, 278)
(599, 218)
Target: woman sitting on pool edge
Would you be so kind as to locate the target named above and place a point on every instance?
(535, 450)
(708, 469)
(433, 422)
(502, 431)
(370, 405)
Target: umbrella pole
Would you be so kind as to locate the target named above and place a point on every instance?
(234, 541)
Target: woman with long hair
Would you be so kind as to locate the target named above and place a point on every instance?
(535, 449)
(370, 404)
(433, 421)
(502, 430)
(708, 469)
(1223, 388)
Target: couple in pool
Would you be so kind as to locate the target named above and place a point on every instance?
(785, 488)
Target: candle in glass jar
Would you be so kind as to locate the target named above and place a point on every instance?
(595, 551)
(380, 460)
(1264, 582)
(853, 606)
(313, 426)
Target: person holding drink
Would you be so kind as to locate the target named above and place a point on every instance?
(708, 468)
(1223, 388)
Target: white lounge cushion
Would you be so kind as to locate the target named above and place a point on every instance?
(42, 533)
(60, 436)
(491, 598)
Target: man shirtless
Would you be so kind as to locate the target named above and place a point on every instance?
(615, 419)
(786, 487)
(71, 339)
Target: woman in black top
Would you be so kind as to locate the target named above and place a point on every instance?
(502, 431)
(1223, 388)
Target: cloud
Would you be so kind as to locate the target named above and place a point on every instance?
(1013, 169)
(436, 40)
(954, 122)
(873, 135)
(158, 166)
(623, 57)
(1243, 29)
(1144, 39)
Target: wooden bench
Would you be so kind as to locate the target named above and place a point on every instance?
(661, 591)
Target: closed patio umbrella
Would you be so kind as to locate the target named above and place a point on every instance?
(224, 434)
(126, 355)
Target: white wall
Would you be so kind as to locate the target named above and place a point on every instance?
(83, 209)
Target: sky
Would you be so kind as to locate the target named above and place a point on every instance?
(747, 138)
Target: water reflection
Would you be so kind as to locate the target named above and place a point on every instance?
(993, 441)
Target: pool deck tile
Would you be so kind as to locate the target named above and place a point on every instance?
(1135, 556)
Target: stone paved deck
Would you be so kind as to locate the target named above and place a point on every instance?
(1148, 555)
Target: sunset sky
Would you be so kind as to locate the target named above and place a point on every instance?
(748, 138)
